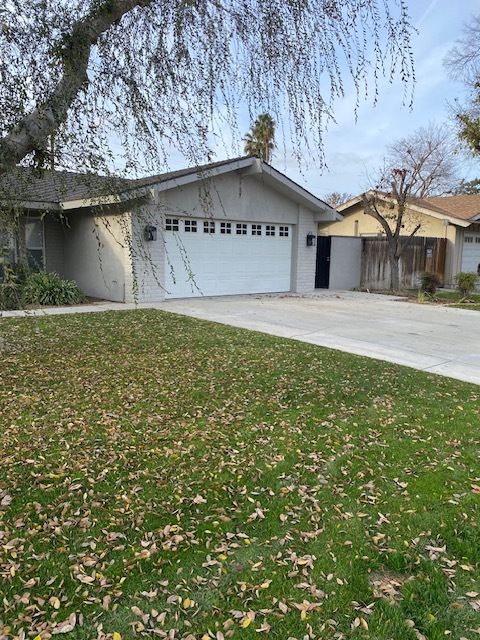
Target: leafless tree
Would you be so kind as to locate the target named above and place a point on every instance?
(420, 165)
(335, 199)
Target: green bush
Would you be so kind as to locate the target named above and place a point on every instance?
(466, 281)
(429, 281)
(44, 289)
(10, 290)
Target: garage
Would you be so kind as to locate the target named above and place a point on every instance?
(471, 251)
(211, 257)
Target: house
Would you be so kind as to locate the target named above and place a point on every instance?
(454, 220)
(233, 227)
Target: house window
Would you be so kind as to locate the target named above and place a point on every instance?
(171, 224)
(208, 226)
(283, 232)
(270, 230)
(34, 242)
(226, 228)
(241, 229)
(256, 229)
(190, 226)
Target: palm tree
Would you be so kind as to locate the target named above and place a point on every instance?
(260, 139)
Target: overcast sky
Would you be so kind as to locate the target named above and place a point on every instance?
(354, 149)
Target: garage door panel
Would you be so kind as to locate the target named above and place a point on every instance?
(224, 264)
(471, 252)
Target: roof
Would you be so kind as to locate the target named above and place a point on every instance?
(46, 189)
(462, 207)
(457, 209)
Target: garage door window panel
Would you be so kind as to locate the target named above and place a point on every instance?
(226, 228)
(171, 224)
(256, 229)
(190, 226)
(208, 226)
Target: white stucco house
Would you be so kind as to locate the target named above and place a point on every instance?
(233, 227)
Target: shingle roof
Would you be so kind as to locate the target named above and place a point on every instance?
(465, 208)
(54, 187)
(461, 207)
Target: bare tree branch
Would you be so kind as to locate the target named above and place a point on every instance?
(33, 131)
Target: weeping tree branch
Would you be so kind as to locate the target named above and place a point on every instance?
(33, 131)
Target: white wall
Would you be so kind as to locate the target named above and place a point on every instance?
(303, 257)
(145, 267)
(345, 263)
(96, 252)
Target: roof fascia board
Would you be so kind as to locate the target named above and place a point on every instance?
(36, 206)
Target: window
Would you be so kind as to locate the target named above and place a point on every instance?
(208, 226)
(283, 232)
(256, 229)
(468, 239)
(171, 224)
(190, 226)
(226, 228)
(241, 229)
(34, 242)
(270, 230)
(477, 240)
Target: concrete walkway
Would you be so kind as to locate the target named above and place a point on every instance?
(438, 339)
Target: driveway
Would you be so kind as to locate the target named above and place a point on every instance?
(431, 338)
(438, 339)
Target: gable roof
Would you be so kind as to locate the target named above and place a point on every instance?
(61, 190)
(458, 210)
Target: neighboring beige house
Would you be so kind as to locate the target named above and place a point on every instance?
(455, 218)
(232, 227)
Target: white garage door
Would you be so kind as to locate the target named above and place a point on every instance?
(220, 257)
(471, 251)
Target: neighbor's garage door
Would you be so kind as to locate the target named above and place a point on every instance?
(471, 251)
(217, 257)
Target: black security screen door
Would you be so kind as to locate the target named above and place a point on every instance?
(322, 271)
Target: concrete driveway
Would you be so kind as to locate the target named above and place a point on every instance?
(438, 339)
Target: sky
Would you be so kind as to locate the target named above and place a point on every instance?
(354, 147)
(353, 150)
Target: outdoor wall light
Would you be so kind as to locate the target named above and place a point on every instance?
(150, 233)
(311, 239)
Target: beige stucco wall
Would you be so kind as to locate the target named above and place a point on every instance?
(96, 253)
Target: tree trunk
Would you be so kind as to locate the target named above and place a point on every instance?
(394, 259)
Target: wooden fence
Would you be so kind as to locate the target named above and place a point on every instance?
(420, 254)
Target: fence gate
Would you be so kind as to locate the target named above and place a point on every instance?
(322, 269)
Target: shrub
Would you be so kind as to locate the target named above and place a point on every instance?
(10, 290)
(466, 281)
(44, 288)
(429, 281)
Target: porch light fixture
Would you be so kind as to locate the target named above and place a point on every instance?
(311, 240)
(150, 233)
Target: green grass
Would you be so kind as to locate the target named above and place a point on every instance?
(167, 477)
(452, 297)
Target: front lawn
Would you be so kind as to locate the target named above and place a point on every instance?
(167, 477)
